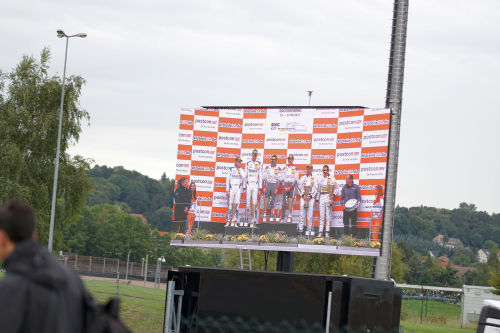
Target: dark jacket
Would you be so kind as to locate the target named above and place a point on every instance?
(38, 294)
(182, 198)
(350, 192)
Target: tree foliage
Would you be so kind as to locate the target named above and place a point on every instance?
(29, 115)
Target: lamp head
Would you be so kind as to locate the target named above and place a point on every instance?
(81, 35)
(61, 34)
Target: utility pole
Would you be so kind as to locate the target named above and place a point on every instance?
(309, 93)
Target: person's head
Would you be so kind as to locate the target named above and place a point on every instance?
(348, 180)
(255, 153)
(274, 158)
(309, 169)
(237, 162)
(17, 224)
(379, 190)
(290, 159)
(183, 182)
(326, 170)
(192, 186)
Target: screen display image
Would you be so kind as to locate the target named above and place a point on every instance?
(301, 179)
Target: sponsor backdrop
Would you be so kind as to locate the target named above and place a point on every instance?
(349, 141)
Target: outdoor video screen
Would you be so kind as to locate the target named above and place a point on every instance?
(281, 179)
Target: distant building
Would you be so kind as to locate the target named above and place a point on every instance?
(483, 254)
(453, 242)
(439, 239)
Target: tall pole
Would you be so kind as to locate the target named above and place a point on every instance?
(393, 101)
(54, 188)
(309, 93)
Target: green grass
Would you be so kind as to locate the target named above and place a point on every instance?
(434, 313)
(411, 327)
(141, 309)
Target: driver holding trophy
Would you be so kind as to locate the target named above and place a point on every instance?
(290, 178)
(326, 188)
(350, 197)
(307, 189)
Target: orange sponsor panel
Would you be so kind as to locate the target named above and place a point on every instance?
(208, 112)
(299, 141)
(186, 122)
(376, 122)
(220, 184)
(255, 113)
(323, 156)
(219, 214)
(227, 154)
(202, 168)
(204, 198)
(184, 152)
(325, 125)
(367, 186)
(342, 170)
(351, 112)
(363, 217)
(230, 125)
(349, 140)
(204, 138)
(280, 154)
(374, 154)
(253, 141)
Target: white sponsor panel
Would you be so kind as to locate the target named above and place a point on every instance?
(326, 113)
(289, 121)
(203, 153)
(254, 126)
(183, 167)
(337, 219)
(324, 141)
(219, 199)
(222, 169)
(185, 137)
(276, 141)
(376, 111)
(246, 154)
(375, 138)
(372, 171)
(231, 113)
(350, 124)
(348, 156)
(204, 213)
(206, 123)
(203, 183)
(229, 140)
(366, 203)
(187, 111)
(300, 156)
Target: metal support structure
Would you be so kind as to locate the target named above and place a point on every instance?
(286, 262)
(146, 269)
(328, 311)
(246, 264)
(172, 315)
(90, 264)
(393, 101)
(128, 258)
(158, 272)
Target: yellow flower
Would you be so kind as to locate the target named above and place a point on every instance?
(264, 239)
(179, 236)
(209, 237)
(319, 241)
(375, 244)
(359, 244)
(333, 241)
(242, 238)
(233, 239)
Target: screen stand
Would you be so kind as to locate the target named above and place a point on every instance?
(285, 262)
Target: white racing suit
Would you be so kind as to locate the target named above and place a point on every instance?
(307, 185)
(254, 184)
(271, 178)
(326, 186)
(289, 180)
(234, 183)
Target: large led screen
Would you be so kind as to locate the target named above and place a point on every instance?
(305, 179)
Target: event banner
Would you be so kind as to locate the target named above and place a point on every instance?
(308, 179)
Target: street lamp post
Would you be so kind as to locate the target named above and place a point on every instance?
(60, 34)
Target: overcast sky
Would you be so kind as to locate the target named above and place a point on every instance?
(144, 60)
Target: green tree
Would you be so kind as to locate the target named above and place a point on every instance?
(29, 109)
(495, 282)
(493, 258)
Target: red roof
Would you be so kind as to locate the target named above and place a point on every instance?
(162, 233)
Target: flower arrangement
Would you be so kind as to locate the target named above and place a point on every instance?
(264, 239)
(375, 244)
(178, 236)
(209, 237)
(319, 240)
(347, 241)
(333, 241)
(242, 238)
(359, 243)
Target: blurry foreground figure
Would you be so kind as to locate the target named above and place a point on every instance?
(38, 294)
